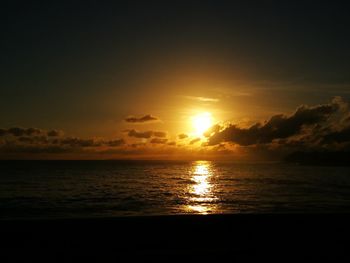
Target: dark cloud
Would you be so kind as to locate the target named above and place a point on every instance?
(337, 136)
(158, 141)
(195, 140)
(78, 142)
(159, 134)
(139, 134)
(146, 134)
(146, 118)
(213, 129)
(182, 136)
(115, 143)
(303, 121)
(136, 145)
(33, 140)
(18, 131)
(26, 139)
(54, 133)
(171, 143)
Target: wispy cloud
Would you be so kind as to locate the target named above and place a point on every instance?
(203, 99)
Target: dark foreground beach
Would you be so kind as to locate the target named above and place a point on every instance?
(180, 238)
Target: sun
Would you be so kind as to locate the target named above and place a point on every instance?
(201, 123)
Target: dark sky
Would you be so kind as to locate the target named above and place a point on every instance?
(81, 66)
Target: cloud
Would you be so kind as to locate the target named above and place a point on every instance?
(308, 126)
(145, 118)
(158, 141)
(78, 142)
(33, 140)
(159, 134)
(146, 134)
(195, 140)
(18, 131)
(213, 129)
(182, 136)
(324, 127)
(138, 134)
(53, 144)
(202, 99)
(115, 143)
(54, 133)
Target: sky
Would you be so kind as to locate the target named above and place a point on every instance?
(94, 79)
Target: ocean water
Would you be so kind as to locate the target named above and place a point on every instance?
(67, 189)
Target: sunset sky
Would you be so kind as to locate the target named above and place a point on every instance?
(146, 80)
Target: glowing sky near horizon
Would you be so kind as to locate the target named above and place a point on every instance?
(84, 67)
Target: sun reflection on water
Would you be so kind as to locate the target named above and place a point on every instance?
(201, 194)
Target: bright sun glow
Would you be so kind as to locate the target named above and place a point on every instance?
(202, 122)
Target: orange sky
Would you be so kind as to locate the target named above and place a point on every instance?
(82, 69)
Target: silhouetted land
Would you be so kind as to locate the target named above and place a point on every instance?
(179, 238)
(320, 158)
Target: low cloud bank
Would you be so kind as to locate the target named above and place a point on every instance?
(324, 126)
(318, 128)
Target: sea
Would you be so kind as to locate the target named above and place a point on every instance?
(89, 189)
